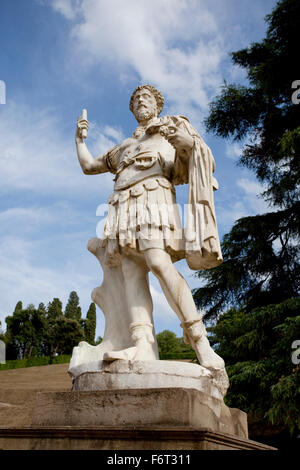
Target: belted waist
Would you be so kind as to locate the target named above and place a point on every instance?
(137, 189)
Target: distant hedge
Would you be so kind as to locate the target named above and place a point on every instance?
(35, 361)
(174, 356)
(65, 358)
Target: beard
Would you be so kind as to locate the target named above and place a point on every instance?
(143, 114)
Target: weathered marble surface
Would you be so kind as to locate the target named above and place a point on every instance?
(143, 233)
(121, 374)
(152, 408)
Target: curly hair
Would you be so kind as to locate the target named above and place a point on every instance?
(157, 94)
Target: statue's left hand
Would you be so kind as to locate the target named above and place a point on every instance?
(180, 139)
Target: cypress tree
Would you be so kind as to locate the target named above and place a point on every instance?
(73, 310)
(90, 324)
(54, 309)
(18, 307)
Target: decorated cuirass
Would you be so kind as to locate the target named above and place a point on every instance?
(143, 157)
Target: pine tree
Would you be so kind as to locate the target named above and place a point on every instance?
(261, 253)
(259, 281)
(264, 381)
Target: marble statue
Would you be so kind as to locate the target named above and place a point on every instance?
(143, 231)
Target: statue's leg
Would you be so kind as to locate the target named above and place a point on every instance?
(180, 299)
(140, 307)
(138, 297)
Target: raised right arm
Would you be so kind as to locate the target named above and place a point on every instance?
(89, 164)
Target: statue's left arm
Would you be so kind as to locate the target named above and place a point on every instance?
(194, 164)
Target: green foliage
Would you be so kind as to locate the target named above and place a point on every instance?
(18, 307)
(261, 253)
(261, 264)
(34, 362)
(2, 335)
(256, 347)
(63, 333)
(42, 307)
(264, 111)
(98, 340)
(42, 332)
(258, 283)
(73, 309)
(66, 334)
(89, 324)
(167, 342)
(172, 347)
(25, 332)
(285, 401)
(54, 310)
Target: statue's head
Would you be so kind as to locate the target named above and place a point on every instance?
(146, 102)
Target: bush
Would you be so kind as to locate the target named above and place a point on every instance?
(34, 362)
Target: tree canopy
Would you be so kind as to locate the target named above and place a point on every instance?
(261, 253)
(172, 347)
(47, 331)
(73, 309)
(256, 348)
(253, 297)
(264, 111)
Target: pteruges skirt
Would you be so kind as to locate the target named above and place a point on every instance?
(141, 217)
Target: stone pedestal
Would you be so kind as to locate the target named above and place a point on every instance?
(148, 405)
(165, 395)
(136, 419)
(120, 438)
(167, 407)
(126, 375)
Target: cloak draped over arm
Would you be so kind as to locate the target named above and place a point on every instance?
(202, 243)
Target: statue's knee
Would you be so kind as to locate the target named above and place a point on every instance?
(156, 266)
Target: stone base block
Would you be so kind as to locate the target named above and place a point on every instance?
(118, 375)
(120, 438)
(168, 407)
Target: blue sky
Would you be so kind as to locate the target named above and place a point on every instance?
(59, 56)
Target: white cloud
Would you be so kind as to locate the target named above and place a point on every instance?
(19, 215)
(250, 187)
(181, 46)
(233, 150)
(174, 44)
(68, 8)
(32, 221)
(243, 200)
(116, 134)
(37, 152)
(25, 279)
